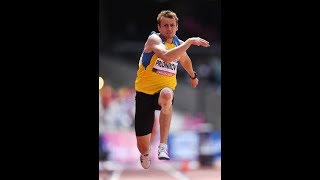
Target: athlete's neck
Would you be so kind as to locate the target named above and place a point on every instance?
(167, 40)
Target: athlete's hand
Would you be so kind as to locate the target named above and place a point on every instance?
(199, 41)
(194, 82)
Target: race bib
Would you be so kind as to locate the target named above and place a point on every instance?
(164, 68)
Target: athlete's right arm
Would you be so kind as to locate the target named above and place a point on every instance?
(154, 43)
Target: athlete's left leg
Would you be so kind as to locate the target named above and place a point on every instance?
(165, 101)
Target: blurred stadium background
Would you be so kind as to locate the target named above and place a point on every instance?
(195, 134)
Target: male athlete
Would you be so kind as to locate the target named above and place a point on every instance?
(156, 81)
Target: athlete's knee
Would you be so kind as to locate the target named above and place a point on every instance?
(166, 94)
(165, 100)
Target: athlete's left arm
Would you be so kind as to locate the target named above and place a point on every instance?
(186, 63)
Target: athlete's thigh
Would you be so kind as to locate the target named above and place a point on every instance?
(144, 115)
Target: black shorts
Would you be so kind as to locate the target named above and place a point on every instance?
(144, 116)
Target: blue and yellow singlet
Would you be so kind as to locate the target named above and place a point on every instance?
(154, 74)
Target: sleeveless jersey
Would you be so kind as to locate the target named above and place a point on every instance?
(154, 74)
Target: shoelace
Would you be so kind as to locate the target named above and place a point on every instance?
(163, 149)
(141, 157)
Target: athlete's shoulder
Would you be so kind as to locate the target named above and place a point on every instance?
(154, 38)
(154, 34)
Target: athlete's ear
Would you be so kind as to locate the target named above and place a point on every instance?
(177, 27)
(159, 27)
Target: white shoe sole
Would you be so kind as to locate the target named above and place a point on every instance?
(163, 157)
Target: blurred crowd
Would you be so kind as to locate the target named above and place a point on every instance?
(116, 108)
(209, 73)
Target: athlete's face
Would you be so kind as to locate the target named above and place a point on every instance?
(168, 27)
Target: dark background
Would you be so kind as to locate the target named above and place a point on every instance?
(134, 20)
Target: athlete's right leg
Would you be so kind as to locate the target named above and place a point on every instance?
(144, 119)
(143, 143)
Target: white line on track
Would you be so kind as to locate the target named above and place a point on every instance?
(173, 172)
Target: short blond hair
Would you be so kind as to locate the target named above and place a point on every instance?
(168, 14)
